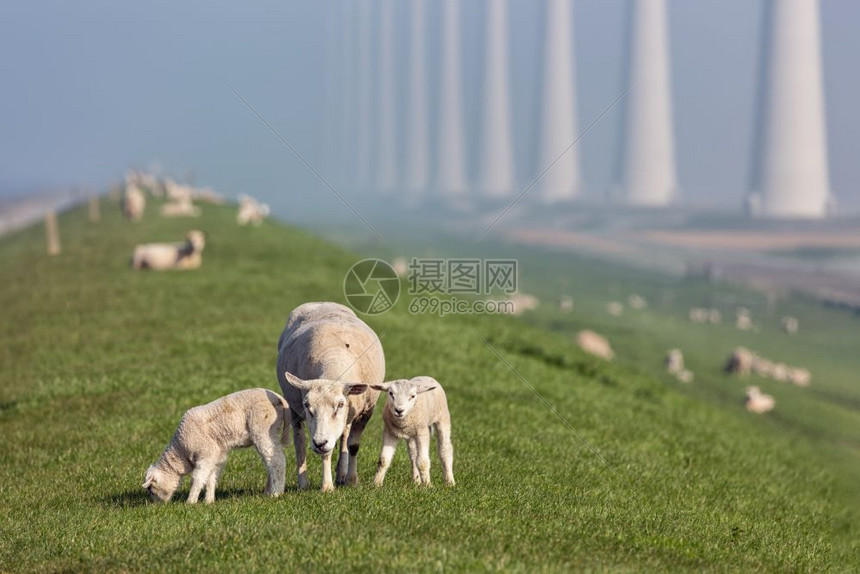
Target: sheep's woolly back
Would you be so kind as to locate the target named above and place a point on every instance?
(328, 341)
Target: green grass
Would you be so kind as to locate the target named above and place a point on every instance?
(99, 363)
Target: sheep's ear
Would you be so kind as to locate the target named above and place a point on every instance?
(380, 386)
(427, 387)
(298, 383)
(148, 482)
(354, 388)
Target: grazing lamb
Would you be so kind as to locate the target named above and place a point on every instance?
(207, 433)
(412, 407)
(594, 344)
(134, 203)
(757, 402)
(790, 325)
(162, 256)
(740, 362)
(615, 308)
(327, 357)
(180, 209)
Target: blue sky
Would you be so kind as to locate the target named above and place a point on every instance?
(92, 87)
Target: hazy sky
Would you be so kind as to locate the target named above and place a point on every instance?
(89, 88)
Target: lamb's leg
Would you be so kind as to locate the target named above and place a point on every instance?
(273, 458)
(343, 457)
(199, 477)
(212, 481)
(413, 458)
(358, 427)
(389, 445)
(301, 445)
(423, 442)
(446, 450)
(327, 485)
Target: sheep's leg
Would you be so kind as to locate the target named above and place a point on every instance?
(327, 484)
(389, 445)
(212, 481)
(423, 442)
(301, 445)
(273, 458)
(413, 458)
(358, 427)
(343, 456)
(199, 477)
(446, 450)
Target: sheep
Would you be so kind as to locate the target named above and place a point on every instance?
(134, 202)
(790, 325)
(799, 376)
(674, 361)
(565, 304)
(698, 315)
(757, 402)
(780, 372)
(162, 256)
(251, 211)
(524, 302)
(594, 344)
(327, 357)
(178, 192)
(400, 266)
(615, 308)
(743, 321)
(412, 407)
(685, 376)
(208, 195)
(637, 302)
(740, 361)
(180, 209)
(206, 434)
(761, 366)
(714, 316)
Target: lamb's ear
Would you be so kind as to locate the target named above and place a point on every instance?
(427, 387)
(148, 482)
(298, 383)
(380, 387)
(354, 388)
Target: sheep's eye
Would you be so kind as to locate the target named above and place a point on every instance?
(412, 396)
(390, 393)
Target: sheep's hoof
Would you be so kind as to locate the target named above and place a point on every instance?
(327, 488)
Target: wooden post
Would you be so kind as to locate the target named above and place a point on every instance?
(95, 209)
(52, 233)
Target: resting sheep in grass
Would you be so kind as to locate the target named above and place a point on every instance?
(327, 357)
(758, 402)
(162, 256)
(180, 209)
(208, 432)
(594, 344)
(412, 407)
(251, 211)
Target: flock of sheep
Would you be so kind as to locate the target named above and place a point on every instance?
(179, 203)
(331, 370)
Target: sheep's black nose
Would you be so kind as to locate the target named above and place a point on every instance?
(319, 444)
(398, 412)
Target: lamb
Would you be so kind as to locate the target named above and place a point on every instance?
(180, 209)
(757, 402)
(327, 357)
(780, 372)
(412, 407)
(799, 376)
(162, 256)
(251, 211)
(743, 320)
(207, 433)
(790, 325)
(134, 203)
(674, 361)
(594, 344)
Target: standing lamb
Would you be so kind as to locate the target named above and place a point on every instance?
(161, 256)
(412, 407)
(134, 202)
(207, 433)
(327, 357)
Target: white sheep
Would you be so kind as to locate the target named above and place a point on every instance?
(594, 344)
(637, 302)
(206, 434)
(790, 325)
(178, 192)
(251, 211)
(412, 407)
(327, 357)
(757, 402)
(615, 308)
(674, 361)
(714, 316)
(740, 361)
(698, 315)
(565, 304)
(162, 256)
(799, 376)
(743, 320)
(134, 202)
(180, 209)
(524, 302)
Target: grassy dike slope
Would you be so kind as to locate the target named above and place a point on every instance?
(97, 365)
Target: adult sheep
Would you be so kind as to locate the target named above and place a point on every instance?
(327, 358)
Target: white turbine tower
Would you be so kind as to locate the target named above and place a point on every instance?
(451, 174)
(558, 112)
(790, 177)
(417, 152)
(364, 137)
(497, 161)
(646, 173)
(387, 136)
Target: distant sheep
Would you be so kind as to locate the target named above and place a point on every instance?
(740, 361)
(180, 209)
(163, 256)
(251, 211)
(615, 308)
(594, 344)
(524, 302)
(762, 367)
(207, 433)
(698, 315)
(799, 376)
(400, 266)
(757, 402)
(743, 320)
(674, 362)
(412, 408)
(565, 304)
(790, 325)
(714, 316)
(134, 203)
(178, 192)
(327, 357)
(637, 302)
(779, 372)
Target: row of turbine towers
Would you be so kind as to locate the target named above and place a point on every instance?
(789, 176)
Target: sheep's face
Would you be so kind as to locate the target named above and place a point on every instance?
(326, 409)
(197, 240)
(402, 395)
(160, 485)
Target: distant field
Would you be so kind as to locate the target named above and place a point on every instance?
(99, 363)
